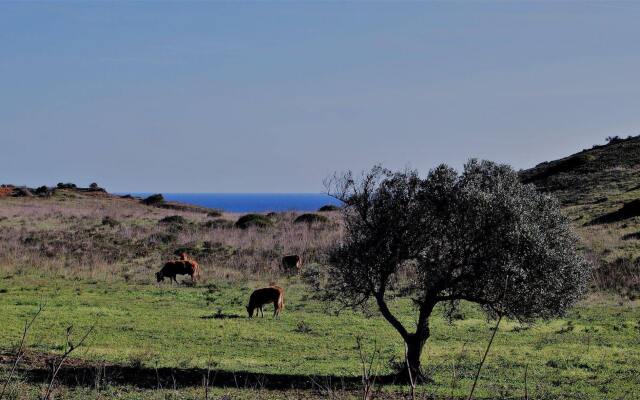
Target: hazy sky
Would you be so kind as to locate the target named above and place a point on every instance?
(272, 97)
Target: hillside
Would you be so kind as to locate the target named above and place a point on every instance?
(599, 174)
(600, 190)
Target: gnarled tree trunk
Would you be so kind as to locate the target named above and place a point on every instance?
(414, 341)
(414, 344)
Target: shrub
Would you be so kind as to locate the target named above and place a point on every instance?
(161, 237)
(257, 220)
(303, 327)
(41, 190)
(67, 185)
(110, 221)
(22, 192)
(154, 199)
(311, 219)
(218, 223)
(614, 139)
(328, 207)
(173, 219)
(313, 275)
(93, 186)
(214, 213)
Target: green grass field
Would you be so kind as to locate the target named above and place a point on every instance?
(593, 353)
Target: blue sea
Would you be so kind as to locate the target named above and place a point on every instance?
(251, 202)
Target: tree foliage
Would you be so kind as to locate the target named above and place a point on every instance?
(480, 236)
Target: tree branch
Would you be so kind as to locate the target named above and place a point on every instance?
(386, 313)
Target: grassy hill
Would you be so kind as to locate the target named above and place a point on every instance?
(600, 190)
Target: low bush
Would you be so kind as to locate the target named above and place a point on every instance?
(110, 221)
(328, 207)
(257, 220)
(303, 327)
(173, 219)
(214, 213)
(22, 192)
(218, 223)
(154, 199)
(41, 190)
(310, 219)
(313, 275)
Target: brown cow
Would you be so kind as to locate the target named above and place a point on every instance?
(261, 297)
(291, 263)
(179, 267)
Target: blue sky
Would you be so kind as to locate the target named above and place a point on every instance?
(273, 97)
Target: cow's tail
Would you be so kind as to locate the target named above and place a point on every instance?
(196, 273)
(281, 300)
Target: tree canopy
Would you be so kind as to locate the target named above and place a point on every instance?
(479, 235)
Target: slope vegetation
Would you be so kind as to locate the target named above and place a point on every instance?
(600, 189)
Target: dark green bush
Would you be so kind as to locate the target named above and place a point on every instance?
(154, 199)
(161, 237)
(313, 275)
(328, 207)
(41, 190)
(214, 213)
(110, 221)
(311, 219)
(257, 220)
(173, 219)
(218, 223)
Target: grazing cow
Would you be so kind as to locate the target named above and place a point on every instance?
(291, 263)
(179, 267)
(261, 297)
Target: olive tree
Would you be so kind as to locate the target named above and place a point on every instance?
(480, 236)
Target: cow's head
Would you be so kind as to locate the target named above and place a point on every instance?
(250, 311)
(159, 276)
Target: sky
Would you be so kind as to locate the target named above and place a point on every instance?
(275, 96)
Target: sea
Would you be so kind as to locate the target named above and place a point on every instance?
(251, 202)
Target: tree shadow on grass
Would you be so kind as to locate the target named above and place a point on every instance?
(221, 316)
(36, 368)
(628, 210)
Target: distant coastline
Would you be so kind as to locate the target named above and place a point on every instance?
(250, 202)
